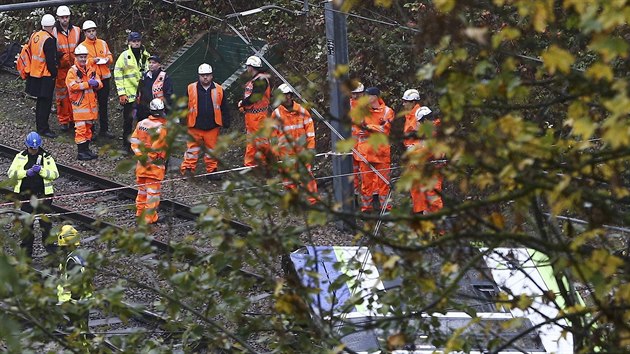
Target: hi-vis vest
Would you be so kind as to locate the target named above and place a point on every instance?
(291, 126)
(262, 105)
(158, 86)
(216, 95)
(38, 67)
(411, 127)
(128, 73)
(82, 96)
(64, 295)
(48, 172)
(98, 49)
(378, 121)
(66, 45)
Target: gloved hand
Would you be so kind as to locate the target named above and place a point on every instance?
(30, 172)
(92, 82)
(36, 168)
(123, 100)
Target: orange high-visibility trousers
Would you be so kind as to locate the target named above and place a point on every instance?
(356, 175)
(256, 149)
(311, 186)
(83, 131)
(427, 198)
(148, 198)
(64, 107)
(372, 184)
(207, 138)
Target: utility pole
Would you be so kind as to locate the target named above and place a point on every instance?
(337, 48)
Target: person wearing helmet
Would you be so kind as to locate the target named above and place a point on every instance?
(207, 113)
(33, 171)
(355, 95)
(83, 82)
(68, 241)
(155, 83)
(68, 38)
(148, 143)
(377, 121)
(293, 132)
(128, 70)
(411, 104)
(256, 106)
(101, 58)
(42, 73)
(426, 193)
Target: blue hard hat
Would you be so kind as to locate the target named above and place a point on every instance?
(134, 36)
(33, 140)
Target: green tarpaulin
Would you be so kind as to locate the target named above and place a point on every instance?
(226, 55)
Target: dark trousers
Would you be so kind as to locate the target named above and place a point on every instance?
(42, 112)
(102, 96)
(127, 123)
(28, 237)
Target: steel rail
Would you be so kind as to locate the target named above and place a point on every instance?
(179, 209)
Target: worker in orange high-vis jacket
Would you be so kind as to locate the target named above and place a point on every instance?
(426, 195)
(256, 105)
(68, 38)
(42, 73)
(355, 95)
(207, 113)
(377, 121)
(293, 132)
(148, 143)
(82, 82)
(101, 57)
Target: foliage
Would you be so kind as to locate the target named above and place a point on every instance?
(533, 100)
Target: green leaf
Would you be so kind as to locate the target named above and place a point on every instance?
(609, 47)
(557, 59)
(377, 140)
(444, 5)
(344, 146)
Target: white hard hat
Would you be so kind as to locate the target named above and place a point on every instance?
(204, 69)
(284, 88)
(422, 112)
(80, 50)
(88, 24)
(63, 11)
(48, 20)
(156, 104)
(411, 95)
(254, 61)
(360, 88)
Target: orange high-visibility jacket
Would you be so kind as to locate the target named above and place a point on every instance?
(292, 126)
(217, 98)
(411, 127)
(378, 121)
(98, 49)
(150, 138)
(66, 45)
(82, 96)
(262, 105)
(38, 58)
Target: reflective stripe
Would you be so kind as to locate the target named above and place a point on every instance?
(310, 134)
(79, 123)
(152, 190)
(38, 58)
(141, 192)
(257, 110)
(81, 110)
(135, 141)
(193, 149)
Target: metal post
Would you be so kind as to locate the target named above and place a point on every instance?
(337, 46)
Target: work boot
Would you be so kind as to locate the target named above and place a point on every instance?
(94, 155)
(84, 154)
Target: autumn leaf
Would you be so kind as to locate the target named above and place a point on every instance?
(557, 59)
